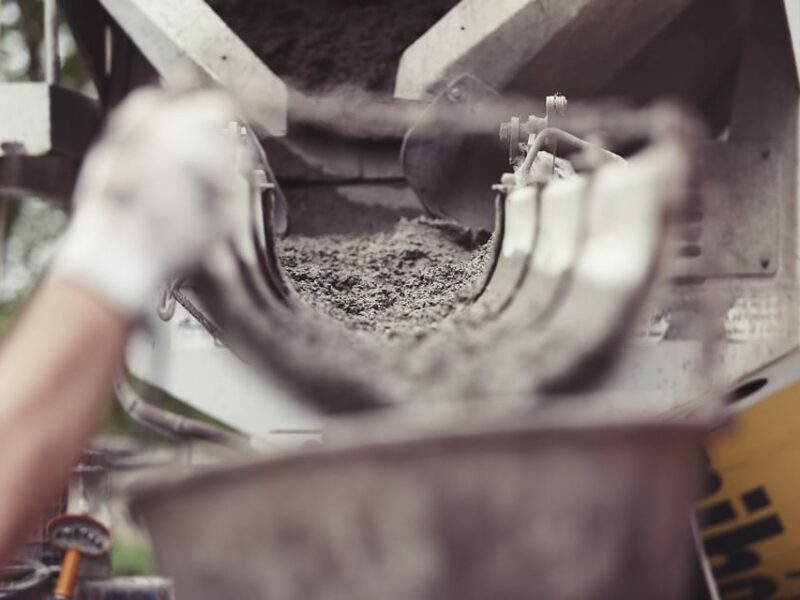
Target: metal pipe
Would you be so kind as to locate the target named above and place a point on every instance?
(171, 424)
(566, 138)
(52, 66)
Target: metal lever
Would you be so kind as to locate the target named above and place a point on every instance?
(77, 535)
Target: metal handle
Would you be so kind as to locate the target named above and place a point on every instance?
(70, 564)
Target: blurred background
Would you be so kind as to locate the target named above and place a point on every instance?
(29, 227)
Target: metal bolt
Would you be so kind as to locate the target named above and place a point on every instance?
(260, 179)
(504, 131)
(556, 104)
(455, 94)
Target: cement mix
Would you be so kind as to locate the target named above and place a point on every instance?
(397, 283)
(384, 320)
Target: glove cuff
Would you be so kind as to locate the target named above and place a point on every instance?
(112, 270)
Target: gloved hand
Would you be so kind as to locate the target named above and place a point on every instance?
(165, 182)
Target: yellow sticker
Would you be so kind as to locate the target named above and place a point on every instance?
(749, 520)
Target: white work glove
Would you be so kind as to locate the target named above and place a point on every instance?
(163, 184)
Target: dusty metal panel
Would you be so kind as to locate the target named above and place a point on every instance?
(539, 45)
(741, 220)
(750, 290)
(452, 170)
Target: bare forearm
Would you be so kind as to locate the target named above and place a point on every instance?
(165, 183)
(56, 368)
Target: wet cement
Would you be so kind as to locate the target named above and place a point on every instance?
(389, 318)
(398, 283)
(319, 45)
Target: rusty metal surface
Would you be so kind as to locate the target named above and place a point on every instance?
(547, 512)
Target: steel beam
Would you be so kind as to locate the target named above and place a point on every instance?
(189, 45)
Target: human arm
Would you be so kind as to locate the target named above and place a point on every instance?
(154, 195)
(56, 369)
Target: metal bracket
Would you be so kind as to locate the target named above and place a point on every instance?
(450, 170)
